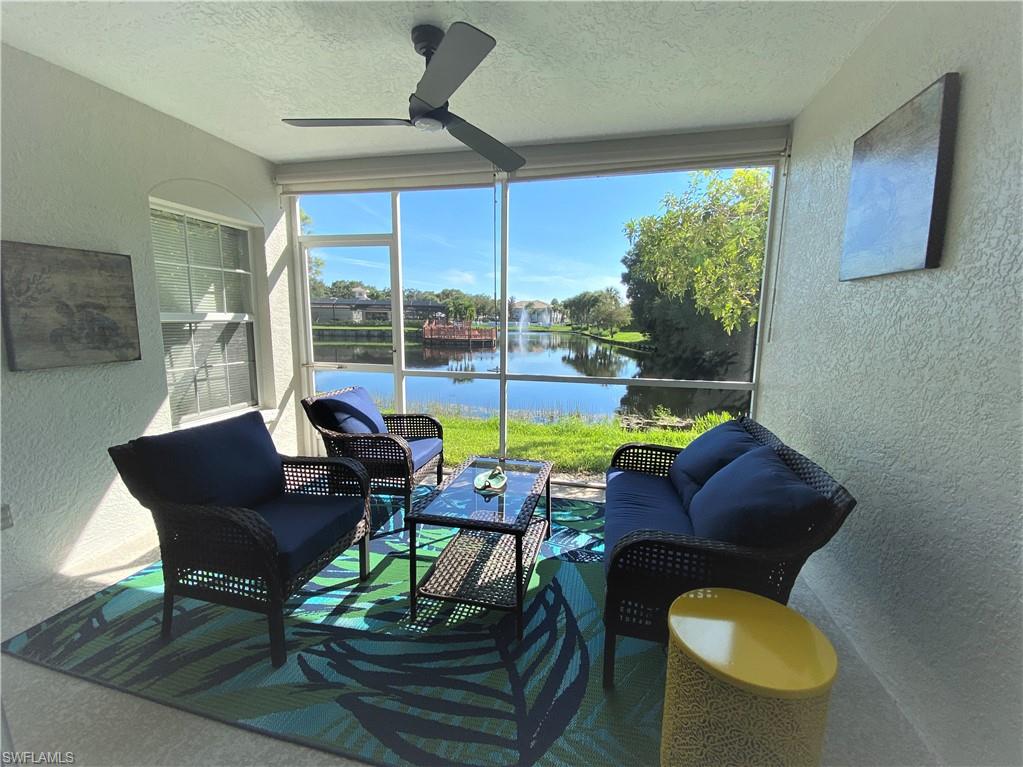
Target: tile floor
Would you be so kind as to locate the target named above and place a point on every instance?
(47, 711)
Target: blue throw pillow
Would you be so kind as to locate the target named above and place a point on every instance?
(756, 500)
(684, 486)
(230, 463)
(708, 454)
(352, 412)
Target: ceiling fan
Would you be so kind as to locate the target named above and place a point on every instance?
(450, 58)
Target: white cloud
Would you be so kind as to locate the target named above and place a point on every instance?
(372, 212)
(458, 277)
(360, 262)
(549, 275)
(576, 283)
(435, 239)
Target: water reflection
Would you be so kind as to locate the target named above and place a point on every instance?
(597, 359)
(551, 354)
(566, 354)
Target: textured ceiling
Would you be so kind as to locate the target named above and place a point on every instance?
(560, 71)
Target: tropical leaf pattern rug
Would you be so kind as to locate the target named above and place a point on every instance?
(454, 687)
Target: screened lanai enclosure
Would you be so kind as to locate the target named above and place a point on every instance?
(610, 305)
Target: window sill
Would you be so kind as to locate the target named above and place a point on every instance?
(269, 414)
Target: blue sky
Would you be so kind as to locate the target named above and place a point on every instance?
(565, 235)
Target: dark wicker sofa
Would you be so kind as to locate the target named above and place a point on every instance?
(398, 450)
(239, 524)
(741, 509)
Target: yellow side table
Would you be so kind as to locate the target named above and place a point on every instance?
(748, 682)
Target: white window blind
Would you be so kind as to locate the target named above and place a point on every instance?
(205, 283)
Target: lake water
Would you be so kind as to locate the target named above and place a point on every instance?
(531, 353)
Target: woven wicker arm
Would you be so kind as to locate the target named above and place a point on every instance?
(650, 568)
(686, 559)
(324, 476)
(334, 477)
(381, 454)
(650, 459)
(413, 425)
(218, 551)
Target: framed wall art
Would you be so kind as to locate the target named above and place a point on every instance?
(63, 306)
(899, 186)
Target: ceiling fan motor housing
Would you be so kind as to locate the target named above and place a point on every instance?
(421, 112)
(426, 39)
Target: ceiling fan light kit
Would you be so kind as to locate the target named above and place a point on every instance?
(450, 59)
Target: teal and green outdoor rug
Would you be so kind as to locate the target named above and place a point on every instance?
(455, 687)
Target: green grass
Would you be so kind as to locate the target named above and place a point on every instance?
(549, 328)
(573, 443)
(629, 336)
(625, 336)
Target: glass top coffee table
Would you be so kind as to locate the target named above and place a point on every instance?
(489, 561)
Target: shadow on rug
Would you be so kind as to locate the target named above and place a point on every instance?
(361, 680)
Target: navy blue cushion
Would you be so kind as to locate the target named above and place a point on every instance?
(228, 463)
(684, 486)
(424, 450)
(352, 412)
(709, 453)
(307, 525)
(756, 500)
(638, 501)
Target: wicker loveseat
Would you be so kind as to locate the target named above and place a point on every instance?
(238, 523)
(398, 450)
(737, 508)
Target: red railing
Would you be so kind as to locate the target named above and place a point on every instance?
(458, 332)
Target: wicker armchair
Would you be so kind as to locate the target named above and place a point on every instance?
(648, 569)
(393, 459)
(252, 540)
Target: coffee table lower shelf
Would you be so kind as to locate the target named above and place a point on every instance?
(478, 568)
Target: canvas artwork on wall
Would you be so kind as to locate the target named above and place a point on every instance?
(67, 307)
(899, 186)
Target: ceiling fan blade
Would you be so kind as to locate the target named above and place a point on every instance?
(484, 144)
(343, 122)
(459, 53)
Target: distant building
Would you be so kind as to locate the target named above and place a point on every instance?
(364, 311)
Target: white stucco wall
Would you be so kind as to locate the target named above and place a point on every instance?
(908, 387)
(79, 165)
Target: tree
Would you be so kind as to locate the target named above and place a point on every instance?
(708, 244)
(461, 308)
(424, 296)
(317, 288)
(608, 312)
(581, 307)
(557, 311)
(345, 288)
(305, 222)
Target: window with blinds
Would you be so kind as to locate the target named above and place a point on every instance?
(205, 281)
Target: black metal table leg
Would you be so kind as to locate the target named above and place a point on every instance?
(412, 579)
(549, 525)
(520, 589)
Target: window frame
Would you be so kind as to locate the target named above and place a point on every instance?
(252, 317)
(777, 161)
